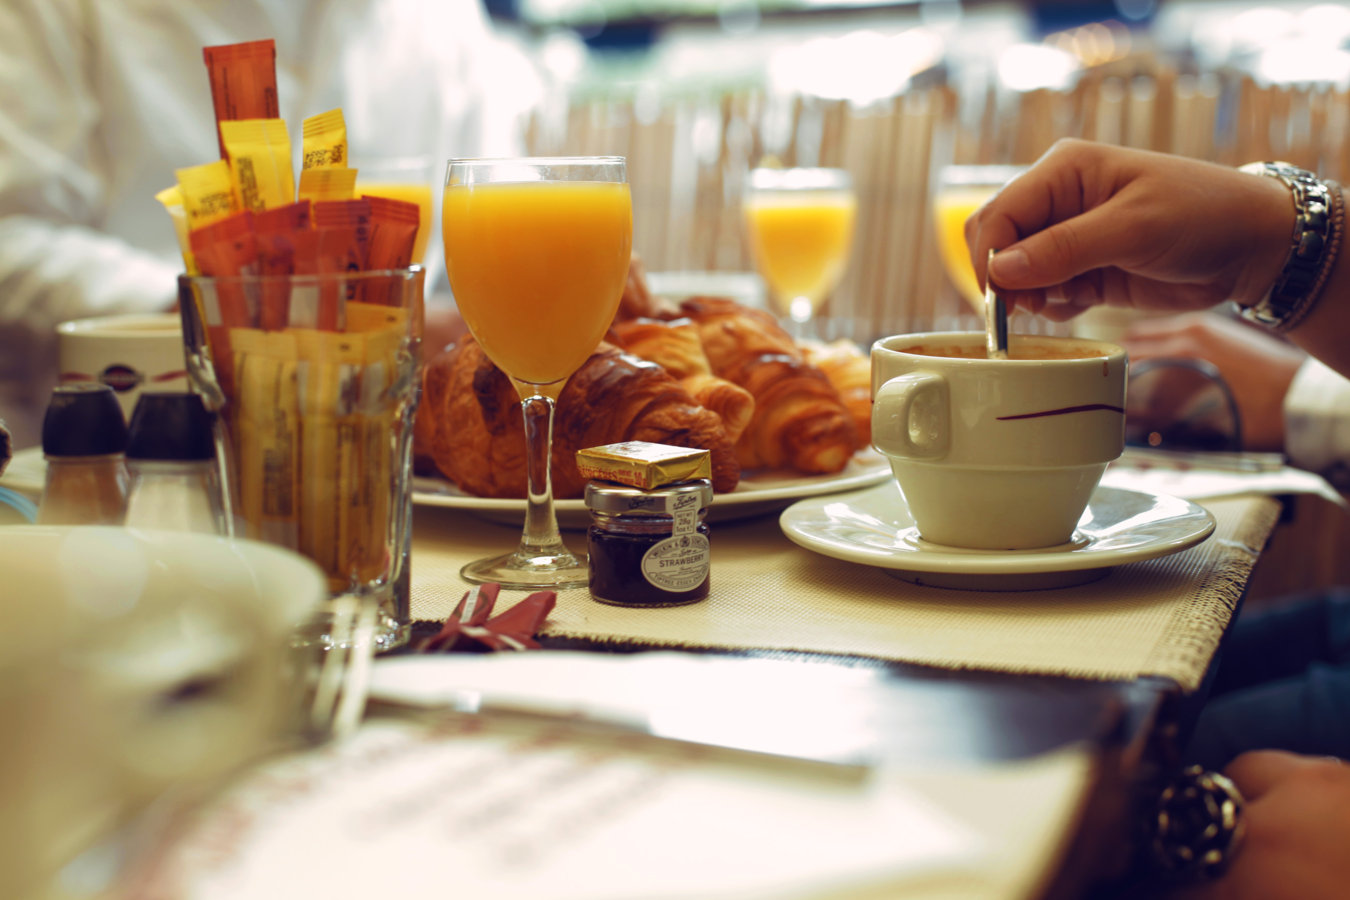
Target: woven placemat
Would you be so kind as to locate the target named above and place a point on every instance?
(1161, 617)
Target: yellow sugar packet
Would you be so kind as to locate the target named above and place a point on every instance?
(266, 428)
(334, 495)
(325, 141)
(171, 198)
(368, 317)
(386, 422)
(259, 151)
(327, 184)
(208, 193)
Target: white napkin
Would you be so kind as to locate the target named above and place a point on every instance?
(1200, 476)
(477, 807)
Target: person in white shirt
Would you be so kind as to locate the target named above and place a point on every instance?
(1092, 224)
(101, 102)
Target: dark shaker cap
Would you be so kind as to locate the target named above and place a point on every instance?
(170, 426)
(83, 419)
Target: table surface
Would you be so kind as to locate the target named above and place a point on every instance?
(986, 716)
(973, 713)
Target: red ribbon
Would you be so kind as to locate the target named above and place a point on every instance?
(472, 625)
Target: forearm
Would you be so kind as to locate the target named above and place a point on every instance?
(50, 273)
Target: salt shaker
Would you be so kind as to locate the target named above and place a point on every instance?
(171, 458)
(84, 437)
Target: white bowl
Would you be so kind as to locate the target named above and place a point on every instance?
(133, 663)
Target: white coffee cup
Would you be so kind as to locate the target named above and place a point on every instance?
(134, 665)
(997, 454)
(132, 353)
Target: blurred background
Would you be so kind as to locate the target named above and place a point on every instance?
(696, 92)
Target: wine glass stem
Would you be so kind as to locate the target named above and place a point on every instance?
(541, 535)
(800, 310)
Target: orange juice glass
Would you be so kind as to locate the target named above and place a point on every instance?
(537, 250)
(800, 225)
(960, 191)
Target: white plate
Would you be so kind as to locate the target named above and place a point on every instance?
(26, 472)
(874, 527)
(757, 493)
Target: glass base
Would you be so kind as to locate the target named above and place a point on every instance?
(517, 571)
(389, 634)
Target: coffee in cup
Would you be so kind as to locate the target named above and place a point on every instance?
(997, 454)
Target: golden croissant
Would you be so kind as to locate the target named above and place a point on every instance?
(675, 345)
(799, 421)
(476, 437)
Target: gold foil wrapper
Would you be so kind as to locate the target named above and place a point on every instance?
(644, 465)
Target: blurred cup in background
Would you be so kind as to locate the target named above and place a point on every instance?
(132, 354)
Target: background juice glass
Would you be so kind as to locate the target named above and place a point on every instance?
(959, 192)
(800, 225)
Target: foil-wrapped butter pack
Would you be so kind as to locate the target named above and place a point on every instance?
(642, 464)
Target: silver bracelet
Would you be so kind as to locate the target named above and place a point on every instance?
(1314, 245)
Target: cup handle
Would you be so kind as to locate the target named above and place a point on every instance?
(911, 416)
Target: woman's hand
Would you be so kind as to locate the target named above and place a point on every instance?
(1298, 831)
(1094, 223)
(1258, 366)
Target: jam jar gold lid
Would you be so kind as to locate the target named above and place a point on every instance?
(620, 499)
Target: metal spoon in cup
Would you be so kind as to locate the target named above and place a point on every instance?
(995, 319)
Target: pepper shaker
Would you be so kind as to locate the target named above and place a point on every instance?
(84, 439)
(171, 458)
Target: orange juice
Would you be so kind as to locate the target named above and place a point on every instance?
(801, 240)
(951, 207)
(537, 269)
(408, 192)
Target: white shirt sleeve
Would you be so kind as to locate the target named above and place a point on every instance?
(1317, 419)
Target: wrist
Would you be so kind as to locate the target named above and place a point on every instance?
(1311, 247)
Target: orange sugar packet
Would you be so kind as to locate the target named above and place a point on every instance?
(340, 216)
(278, 234)
(222, 249)
(207, 192)
(327, 184)
(243, 81)
(259, 152)
(324, 141)
(227, 248)
(393, 232)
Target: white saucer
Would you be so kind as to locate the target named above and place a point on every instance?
(873, 527)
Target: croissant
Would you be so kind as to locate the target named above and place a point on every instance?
(849, 369)
(637, 301)
(479, 439)
(676, 346)
(799, 421)
(469, 423)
